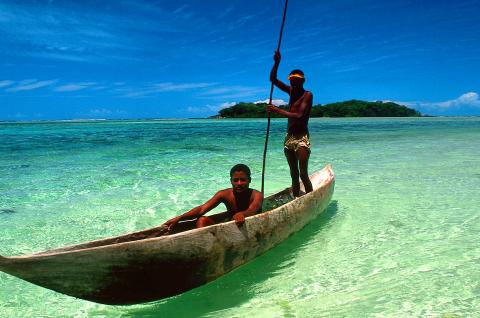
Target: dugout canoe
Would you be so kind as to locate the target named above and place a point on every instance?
(152, 264)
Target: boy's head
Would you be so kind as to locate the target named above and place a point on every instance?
(240, 177)
(296, 77)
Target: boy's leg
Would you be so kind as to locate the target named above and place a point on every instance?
(294, 174)
(204, 221)
(303, 154)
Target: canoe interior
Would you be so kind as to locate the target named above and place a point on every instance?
(270, 203)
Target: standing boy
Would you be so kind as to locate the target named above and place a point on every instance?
(297, 143)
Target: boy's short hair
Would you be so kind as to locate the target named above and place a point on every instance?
(240, 167)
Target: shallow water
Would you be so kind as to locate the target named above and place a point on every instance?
(400, 238)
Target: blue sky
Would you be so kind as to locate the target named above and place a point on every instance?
(183, 59)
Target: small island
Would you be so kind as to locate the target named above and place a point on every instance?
(351, 108)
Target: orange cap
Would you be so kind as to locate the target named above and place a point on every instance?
(295, 75)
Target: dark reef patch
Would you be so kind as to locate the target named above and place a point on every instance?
(7, 211)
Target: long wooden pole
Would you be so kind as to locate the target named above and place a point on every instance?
(270, 101)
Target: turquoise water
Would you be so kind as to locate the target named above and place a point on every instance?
(400, 238)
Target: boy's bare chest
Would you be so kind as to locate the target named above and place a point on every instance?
(295, 103)
(237, 204)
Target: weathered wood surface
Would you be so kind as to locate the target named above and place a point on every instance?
(150, 265)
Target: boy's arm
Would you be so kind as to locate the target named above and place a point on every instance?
(307, 100)
(273, 74)
(199, 210)
(254, 206)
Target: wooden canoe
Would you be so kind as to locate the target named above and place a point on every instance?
(151, 265)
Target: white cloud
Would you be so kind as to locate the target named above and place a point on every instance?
(210, 108)
(27, 81)
(5, 83)
(470, 98)
(52, 31)
(100, 111)
(171, 87)
(74, 87)
(204, 109)
(104, 112)
(225, 12)
(276, 102)
(29, 85)
(216, 91)
(233, 92)
(162, 88)
(227, 104)
(468, 101)
(180, 9)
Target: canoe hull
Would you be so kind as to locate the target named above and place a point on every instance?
(155, 268)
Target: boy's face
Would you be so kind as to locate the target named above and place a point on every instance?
(240, 181)
(296, 82)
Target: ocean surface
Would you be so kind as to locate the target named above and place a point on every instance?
(401, 237)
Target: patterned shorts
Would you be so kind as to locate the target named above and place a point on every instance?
(295, 141)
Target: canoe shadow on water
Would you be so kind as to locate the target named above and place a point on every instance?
(239, 286)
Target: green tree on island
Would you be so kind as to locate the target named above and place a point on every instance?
(246, 110)
(352, 108)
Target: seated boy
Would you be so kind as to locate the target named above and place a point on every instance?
(240, 200)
